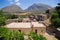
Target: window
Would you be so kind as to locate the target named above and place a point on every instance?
(18, 21)
(36, 31)
(41, 31)
(19, 30)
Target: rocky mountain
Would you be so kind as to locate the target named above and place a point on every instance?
(12, 8)
(39, 6)
(35, 7)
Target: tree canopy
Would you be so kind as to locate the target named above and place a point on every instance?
(55, 18)
(6, 34)
(34, 36)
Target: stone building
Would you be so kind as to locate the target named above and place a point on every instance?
(26, 27)
(26, 20)
(39, 28)
(13, 20)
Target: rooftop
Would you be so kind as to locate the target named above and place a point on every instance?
(37, 24)
(24, 25)
(19, 25)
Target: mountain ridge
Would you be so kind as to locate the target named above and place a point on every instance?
(12, 8)
(38, 6)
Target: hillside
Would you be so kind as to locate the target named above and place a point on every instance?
(12, 8)
(39, 7)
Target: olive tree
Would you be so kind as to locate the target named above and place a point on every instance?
(55, 17)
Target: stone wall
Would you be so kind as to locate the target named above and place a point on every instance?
(40, 30)
(25, 30)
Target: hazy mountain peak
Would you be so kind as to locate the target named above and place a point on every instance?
(12, 8)
(38, 6)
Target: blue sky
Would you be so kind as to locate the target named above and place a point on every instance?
(26, 3)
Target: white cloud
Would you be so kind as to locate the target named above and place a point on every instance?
(18, 3)
(14, 2)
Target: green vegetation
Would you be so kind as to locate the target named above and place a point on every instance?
(12, 16)
(2, 18)
(6, 34)
(34, 36)
(55, 18)
(22, 16)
